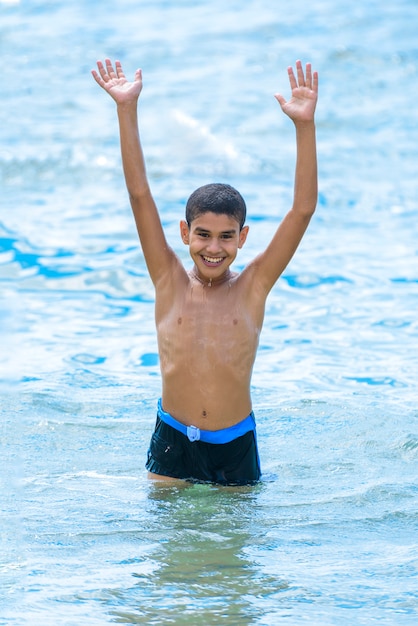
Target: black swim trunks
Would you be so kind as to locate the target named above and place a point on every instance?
(225, 457)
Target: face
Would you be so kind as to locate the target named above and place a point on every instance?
(213, 242)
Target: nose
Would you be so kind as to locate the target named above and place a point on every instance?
(213, 245)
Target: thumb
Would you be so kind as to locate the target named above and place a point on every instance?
(280, 99)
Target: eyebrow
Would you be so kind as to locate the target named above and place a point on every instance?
(224, 232)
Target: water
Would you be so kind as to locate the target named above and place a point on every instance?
(330, 535)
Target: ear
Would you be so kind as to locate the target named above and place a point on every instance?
(184, 232)
(243, 236)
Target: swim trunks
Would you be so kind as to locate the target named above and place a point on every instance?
(226, 457)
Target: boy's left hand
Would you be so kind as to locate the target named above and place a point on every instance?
(301, 106)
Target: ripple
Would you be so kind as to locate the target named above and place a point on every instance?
(88, 359)
(149, 359)
(377, 380)
(309, 281)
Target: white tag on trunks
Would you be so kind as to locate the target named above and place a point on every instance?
(193, 433)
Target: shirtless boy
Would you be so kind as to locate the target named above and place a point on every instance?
(209, 319)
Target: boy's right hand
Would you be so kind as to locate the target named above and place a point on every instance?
(114, 81)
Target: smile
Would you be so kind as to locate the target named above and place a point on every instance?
(212, 260)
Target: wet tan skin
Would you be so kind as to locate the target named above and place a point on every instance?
(208, 327)
(209, 319)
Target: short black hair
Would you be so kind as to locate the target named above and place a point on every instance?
(217, 198)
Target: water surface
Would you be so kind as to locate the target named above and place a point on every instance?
(330, 534)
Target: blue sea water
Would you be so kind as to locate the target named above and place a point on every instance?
(329, 537)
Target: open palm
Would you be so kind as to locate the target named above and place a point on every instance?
(113, 80)
(301, 106)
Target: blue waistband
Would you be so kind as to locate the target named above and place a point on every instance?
(225, 435)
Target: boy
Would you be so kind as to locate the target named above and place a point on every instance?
(209, 319)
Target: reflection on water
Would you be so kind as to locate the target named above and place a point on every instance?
(198, 568)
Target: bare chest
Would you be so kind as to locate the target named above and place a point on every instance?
(211, 322)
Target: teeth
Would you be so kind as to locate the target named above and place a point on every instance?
(210, 259)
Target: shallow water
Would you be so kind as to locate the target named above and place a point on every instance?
(330, 534)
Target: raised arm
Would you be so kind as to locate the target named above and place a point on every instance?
(300, 109)
(157, 253)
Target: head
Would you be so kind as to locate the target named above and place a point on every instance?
(218, 198)
(214, 229)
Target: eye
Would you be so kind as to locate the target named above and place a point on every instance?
(203, 235)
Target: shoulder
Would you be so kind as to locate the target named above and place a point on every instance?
(251, 275)
(250, 286)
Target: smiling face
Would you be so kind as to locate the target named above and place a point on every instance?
(213, 240)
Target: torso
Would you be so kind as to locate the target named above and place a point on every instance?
(208, 338)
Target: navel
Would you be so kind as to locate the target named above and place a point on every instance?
(204, 414)
(235, 321)
(180, 321)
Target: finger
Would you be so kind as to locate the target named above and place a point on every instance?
(109, 67)
(119, 70)
(301, 78)
(96, 77)
(102, 71)
(315, 82)
(308, 80)
(280, 99)
(292, 79)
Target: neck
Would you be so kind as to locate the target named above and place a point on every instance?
(208, 282)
